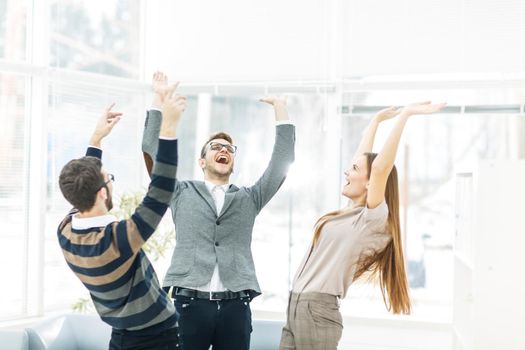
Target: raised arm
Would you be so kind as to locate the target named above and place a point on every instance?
(103, 128)
(279, 106)
(173, 106)
(282, 156)
(148, 214)
(153, 118)
(367, 140)
(384, 162)
(105, 124)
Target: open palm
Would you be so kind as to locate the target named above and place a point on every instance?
(387, 113)
(274, 100)
(426, 107)
(160, 85)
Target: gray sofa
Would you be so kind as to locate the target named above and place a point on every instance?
(72, 331)
(88, 332)
(14, 339)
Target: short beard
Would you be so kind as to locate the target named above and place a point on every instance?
(109, 201)
(215, 173)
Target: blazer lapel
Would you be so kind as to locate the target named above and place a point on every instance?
(205, 194)
(228, 198)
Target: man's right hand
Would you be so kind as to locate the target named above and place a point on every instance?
(279, 104)
(173, 106)
(160, 88)
(104, 125)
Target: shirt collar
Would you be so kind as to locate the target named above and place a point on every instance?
(211, 185)
(95, 221)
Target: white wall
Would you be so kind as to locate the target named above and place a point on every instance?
(238, 40)
(328, 39)
(488, 300)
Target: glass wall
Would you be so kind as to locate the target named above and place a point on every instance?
(47, 111)
(96, 36)
(13, 191)
(13, 24)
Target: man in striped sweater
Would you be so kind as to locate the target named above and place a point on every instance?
(106, 255)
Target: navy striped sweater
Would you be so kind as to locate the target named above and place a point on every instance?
(110, 262)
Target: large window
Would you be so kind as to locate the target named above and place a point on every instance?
(13, 191)
(47, 115)
(13, 18)
(96, 36)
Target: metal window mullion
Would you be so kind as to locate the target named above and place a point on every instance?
(36, 197)
(452, 109)
(36, 165)
(16, 67)
(142, 40)
(202, 127)
(143, 178)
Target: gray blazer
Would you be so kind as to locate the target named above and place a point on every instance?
(203, 237)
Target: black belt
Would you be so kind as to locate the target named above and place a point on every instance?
(192, 293)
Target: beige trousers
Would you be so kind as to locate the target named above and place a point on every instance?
(313, 322)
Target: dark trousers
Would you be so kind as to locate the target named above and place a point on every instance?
(165, 340)
(225, 324)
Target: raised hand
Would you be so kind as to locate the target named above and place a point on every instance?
(426, 107)
(274, 100)
(173, 106)
(105, 124)
(279, 104)
(160, 88)
(387, 113)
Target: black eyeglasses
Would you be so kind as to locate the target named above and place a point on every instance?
(217, 146)
(111, 178)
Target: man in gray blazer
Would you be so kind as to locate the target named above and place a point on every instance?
(212, 273)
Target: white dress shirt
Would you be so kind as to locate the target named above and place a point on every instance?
(217, 192)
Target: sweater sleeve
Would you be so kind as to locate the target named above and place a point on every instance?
(134, 232)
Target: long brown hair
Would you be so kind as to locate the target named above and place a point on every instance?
(389, 263)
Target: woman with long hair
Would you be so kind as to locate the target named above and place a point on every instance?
(362, 240)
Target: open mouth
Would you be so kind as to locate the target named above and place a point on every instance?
(222, 159)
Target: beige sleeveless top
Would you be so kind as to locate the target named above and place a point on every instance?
(329, 267)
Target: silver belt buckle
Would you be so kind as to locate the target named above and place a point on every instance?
(211, 297)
